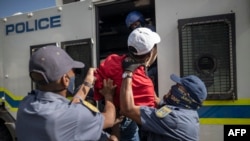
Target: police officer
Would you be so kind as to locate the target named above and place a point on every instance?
(176, 118)
(46, 114)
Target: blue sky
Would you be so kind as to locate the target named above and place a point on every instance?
(10, 7)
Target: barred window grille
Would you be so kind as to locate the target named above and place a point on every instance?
(207, 49)
(79, 50)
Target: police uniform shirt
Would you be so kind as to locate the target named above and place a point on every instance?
(177, 124)
(45, 116)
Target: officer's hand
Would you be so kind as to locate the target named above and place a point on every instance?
(90, 78)
(113, 138)
(108, 89)
(129, 64)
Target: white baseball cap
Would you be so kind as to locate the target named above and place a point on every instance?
(143, 40)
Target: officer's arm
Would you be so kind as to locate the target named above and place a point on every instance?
(85, 87)
(127, 106)
(109, 112)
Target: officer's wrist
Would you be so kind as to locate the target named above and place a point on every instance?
(88, 84)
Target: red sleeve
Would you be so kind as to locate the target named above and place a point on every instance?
(98, 84)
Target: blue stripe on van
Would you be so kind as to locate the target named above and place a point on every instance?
(235, 111)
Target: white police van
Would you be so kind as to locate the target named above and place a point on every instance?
(208, 38)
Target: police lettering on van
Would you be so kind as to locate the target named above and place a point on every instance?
(30, 26)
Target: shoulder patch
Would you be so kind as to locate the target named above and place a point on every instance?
(163, 111)
(90, 106)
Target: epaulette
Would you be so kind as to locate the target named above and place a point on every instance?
(163, 111)
(90, 106)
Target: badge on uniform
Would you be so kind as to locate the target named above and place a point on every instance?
(90, 106)
(163, 111)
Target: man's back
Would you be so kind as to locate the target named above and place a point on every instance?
(111, 68)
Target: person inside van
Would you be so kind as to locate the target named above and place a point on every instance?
(136, 19)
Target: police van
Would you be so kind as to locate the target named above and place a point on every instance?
(207, 38)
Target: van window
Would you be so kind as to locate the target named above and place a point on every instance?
(207, 49)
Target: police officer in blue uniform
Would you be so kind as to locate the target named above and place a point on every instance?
(176, 118)
(46, 114)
